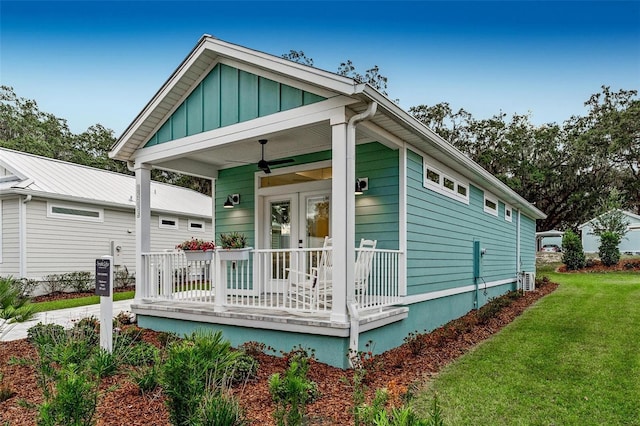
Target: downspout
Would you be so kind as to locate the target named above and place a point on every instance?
(23, 236)
(354, 331)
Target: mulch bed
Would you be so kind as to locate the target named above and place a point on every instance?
(595, 265)
(400, 369)
(62, 295)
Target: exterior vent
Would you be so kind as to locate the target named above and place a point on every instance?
(527, 281)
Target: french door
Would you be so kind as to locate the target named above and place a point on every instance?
(294, 220)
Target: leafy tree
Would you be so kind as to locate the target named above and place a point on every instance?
(572, 253)
(608, 251)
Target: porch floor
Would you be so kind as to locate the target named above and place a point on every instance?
(270, 319)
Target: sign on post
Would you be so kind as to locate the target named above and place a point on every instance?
(104, 289)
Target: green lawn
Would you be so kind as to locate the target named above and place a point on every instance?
(571, 359)
(80, 301)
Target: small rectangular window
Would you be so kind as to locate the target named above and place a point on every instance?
(433, 176)
(462, 190)
(490, 206)
(448, 183)
(62, 211)
(168, 222)
(507, 213)
(196, 226)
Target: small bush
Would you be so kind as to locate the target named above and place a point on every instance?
(294, 391)
(416, 342)
(123, 278)
(245, 368)
(192, 364)
(572, 253)
(139, 354)
(46, 334)
(55, 283)
(219, 408)
(79, 281)
(146, 377)
(103, 363)
(608, 250)
(27, 286)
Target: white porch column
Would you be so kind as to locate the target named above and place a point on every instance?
(143, 225)
(342, 231)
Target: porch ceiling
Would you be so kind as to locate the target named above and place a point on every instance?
(284, 144)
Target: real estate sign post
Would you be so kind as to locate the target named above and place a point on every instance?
(104, 289)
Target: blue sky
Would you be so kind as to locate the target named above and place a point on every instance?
(100, 62)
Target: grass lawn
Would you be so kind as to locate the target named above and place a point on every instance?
(571, 359)
(80, 301)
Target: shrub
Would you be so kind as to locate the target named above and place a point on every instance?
(141, 353)
(146, 377)
(245, 368)
(103, 363)
(46, 334)
(55, 283)
(74, 402)
(608, 250)
(293, 392)
(79, 281)
(192, 363)
(416, 342)
(219, 407)
(123, 278)
(27, 286)
(572, 253)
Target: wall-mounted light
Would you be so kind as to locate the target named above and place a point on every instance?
(362, 184)
(232, 200)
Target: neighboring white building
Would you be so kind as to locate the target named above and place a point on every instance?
(630, 243)
(58, 217)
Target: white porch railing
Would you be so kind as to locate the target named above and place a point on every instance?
(264, 280)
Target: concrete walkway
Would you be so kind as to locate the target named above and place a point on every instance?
(64, 317)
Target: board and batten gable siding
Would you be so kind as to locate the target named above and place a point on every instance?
(441, 232)
(229, 96)
(58, 245)
(377, 208)
(10, 237)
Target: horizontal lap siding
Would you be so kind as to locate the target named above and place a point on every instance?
(440, 235)
(62, 245)
(10, 238)
(527, 244)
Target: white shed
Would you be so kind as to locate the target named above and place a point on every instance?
(58, 217)
(630, 243)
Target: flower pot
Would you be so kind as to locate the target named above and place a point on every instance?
(234, 254)
(198, 255)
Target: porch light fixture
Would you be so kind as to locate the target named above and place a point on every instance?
(232, 200)
(362, 184)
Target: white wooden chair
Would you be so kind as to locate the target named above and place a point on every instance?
(312, 290)
(364, 262)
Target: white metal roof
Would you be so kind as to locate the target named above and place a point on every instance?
(46, 177)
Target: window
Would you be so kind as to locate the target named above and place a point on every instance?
(490, 205)
(508, 214)
(445, 181)
(448, 183)
(196, 226)
(71, 212)
(433, 176)
(168, 222)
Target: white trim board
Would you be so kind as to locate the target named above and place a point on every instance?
(417, 298)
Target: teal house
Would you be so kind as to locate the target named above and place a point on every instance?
(362, 224)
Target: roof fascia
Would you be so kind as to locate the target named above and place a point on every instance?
(442, 145)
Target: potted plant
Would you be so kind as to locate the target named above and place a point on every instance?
(233, 246)
(197, 249)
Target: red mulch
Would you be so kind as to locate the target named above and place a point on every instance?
(59, 295)
(398, 369)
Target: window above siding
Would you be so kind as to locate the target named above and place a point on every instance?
(490, 204)
(442, 181)
(167, 222)
(74, 212)
(196, 226)
(508, 213)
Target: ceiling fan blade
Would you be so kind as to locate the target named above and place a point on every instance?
(284, 161)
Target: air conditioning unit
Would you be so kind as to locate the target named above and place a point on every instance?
(527, 281)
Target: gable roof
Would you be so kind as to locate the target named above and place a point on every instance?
(30, 174)
(390, 121)
(632, 216)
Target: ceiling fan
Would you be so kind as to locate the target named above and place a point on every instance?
(264, 164)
